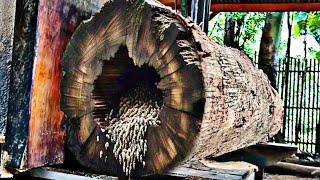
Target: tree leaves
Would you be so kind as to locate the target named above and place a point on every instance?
(317, 55)
(249, 25)
(309, 20)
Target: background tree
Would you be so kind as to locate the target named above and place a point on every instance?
(239, 30)
(307, 23)
(269, 43)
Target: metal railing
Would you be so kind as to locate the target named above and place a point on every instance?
(302, 102)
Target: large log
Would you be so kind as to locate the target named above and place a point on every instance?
(144, 89)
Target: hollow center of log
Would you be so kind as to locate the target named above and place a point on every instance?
(121, 79)
(127, 102)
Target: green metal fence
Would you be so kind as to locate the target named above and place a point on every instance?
(298, 83)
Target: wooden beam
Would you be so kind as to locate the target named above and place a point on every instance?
(170, 2)
(265, 7)
(208, 169)
(20, 81)
(56, 173)
(261, 7)
(55, 27)
(7, 14)
(262, 155)
(296, 169)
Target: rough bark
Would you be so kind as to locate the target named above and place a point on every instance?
(20, 81)
(7, 15)
(230, 36)
(269, 44)
(214, 100)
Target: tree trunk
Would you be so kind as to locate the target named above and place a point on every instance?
(144, 89)
(269, 44)
(230, 33)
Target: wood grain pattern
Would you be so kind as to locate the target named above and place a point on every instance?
(214, 100)
(7, 14)
(57, 21)
(20, 82)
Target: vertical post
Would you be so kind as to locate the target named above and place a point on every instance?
(200, 10)
(20, 82)
(175, 6)
(309, 130)
(297, 104)
(289, 98)
(314, 109)
(287, 74)
(318, 111)
(184, 8)
(295, 99)
(7, 17)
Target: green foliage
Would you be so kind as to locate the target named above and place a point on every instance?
(217, 30)
(252, 30)
(237, 15)
(253, 23)
(248, 25)
(309, 22)
(317, 55)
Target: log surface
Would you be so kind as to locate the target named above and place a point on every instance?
(241, 107)
(215, 101)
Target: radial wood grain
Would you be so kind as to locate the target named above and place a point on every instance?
(214, 100)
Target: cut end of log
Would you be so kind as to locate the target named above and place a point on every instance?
(144, 89)
(133, 99)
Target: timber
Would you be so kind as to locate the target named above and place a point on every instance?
(7, 14)
(263, 6)
(57, 21)
(261, 155)
(20, 82)
(310, 171)
(144, 89)
(35, 134)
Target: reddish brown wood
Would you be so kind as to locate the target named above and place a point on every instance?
(170, 2)
(265, 7)
(256, 7)
(46, 136)
(57, 21)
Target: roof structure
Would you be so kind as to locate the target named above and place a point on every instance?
(257, 5)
